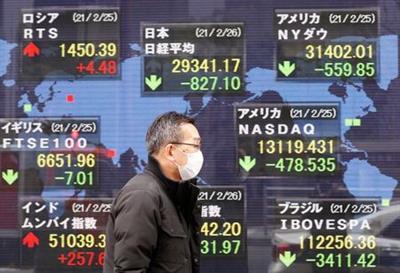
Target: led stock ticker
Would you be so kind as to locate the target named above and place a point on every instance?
(222, 229)
(326, 233)
(70, 42)
(62, 149)
(296, 139)
(324, 44)
(195, 58)
(68, 232)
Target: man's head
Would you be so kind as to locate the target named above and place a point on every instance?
(175, 142)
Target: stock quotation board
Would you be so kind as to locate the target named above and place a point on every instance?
(296, 103)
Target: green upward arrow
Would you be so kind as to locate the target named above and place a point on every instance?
(287, 258)
(153, 82)
(286, 68)
(9, 176)
(247, 163)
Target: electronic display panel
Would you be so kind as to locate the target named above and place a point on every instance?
(296, 103)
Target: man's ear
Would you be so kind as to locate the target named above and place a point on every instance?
(168, 152)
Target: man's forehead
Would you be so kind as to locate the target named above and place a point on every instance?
(189, 131)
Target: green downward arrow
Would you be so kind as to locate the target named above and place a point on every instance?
(286, 68)
(153, 82)
(287, 258)
(247, 163)
(9, 176)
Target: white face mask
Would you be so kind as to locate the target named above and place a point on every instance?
(192, 167)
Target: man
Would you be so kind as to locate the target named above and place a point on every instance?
(153, 224)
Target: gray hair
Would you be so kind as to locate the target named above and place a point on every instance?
(165, 129)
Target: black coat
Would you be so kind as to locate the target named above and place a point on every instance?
(153, 228)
